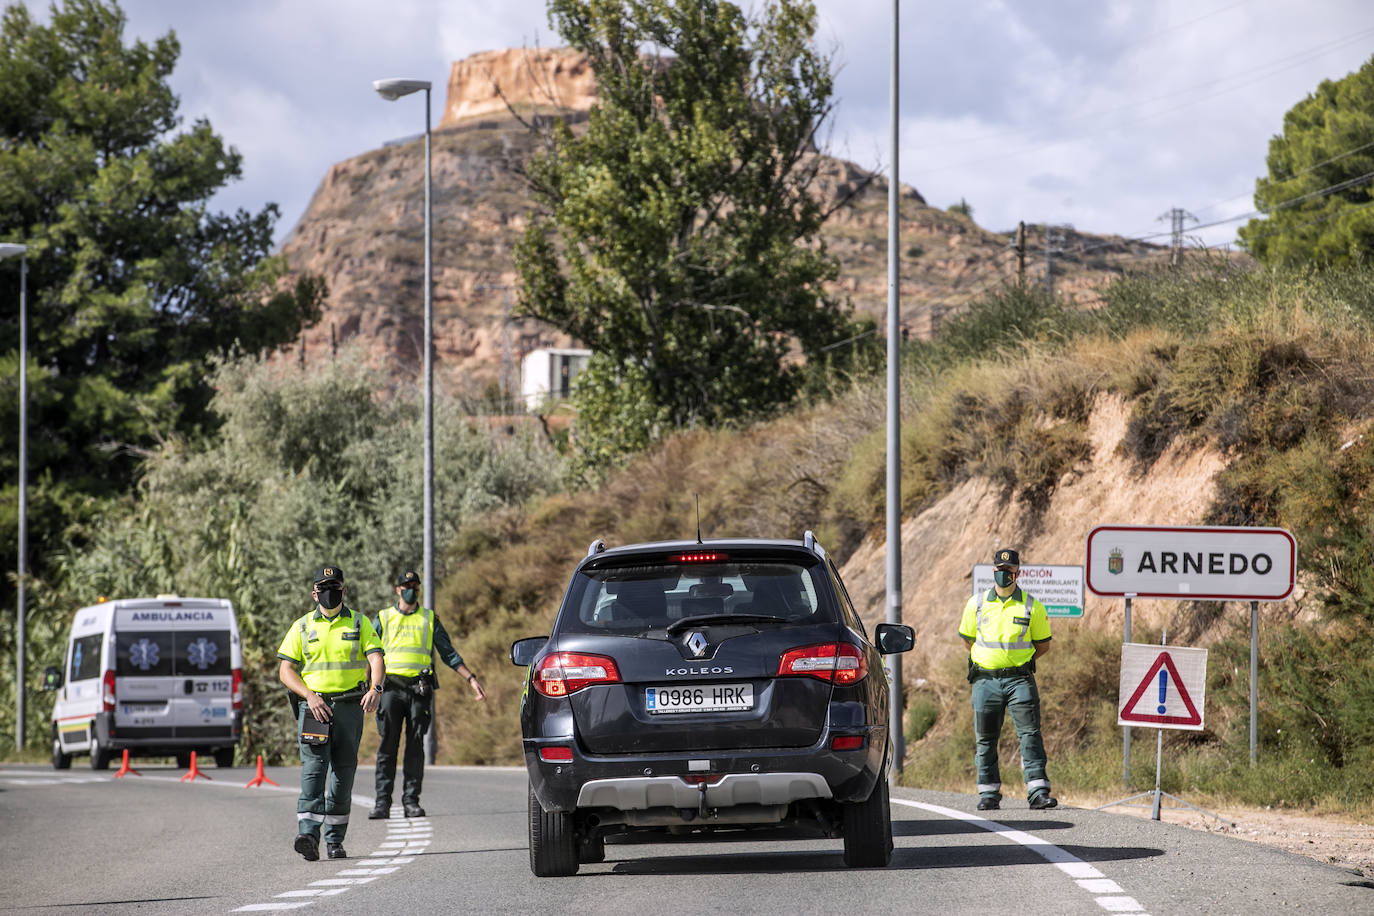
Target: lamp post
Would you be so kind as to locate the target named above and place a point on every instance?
(894, 418)
(391, 90)
(9, 249)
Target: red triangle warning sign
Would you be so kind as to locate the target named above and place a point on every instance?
(1158, 677)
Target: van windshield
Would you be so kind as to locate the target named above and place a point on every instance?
(172, 653)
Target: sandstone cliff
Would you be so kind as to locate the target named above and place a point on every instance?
(363, 232)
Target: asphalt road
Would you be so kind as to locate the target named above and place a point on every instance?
(151, 844)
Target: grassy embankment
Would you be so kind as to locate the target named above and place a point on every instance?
(1272, 370)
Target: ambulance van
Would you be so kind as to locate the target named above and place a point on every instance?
(160, 677)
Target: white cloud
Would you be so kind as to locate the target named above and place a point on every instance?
(1103, 114)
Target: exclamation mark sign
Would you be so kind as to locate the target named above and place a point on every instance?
(1163, 688)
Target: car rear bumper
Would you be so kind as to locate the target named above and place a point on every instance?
(637, 793)
(734, 778)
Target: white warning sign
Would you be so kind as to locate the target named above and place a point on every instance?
(1162, 686)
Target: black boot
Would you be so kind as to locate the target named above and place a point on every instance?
(380, 811)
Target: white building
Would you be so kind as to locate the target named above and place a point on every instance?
(546, 375)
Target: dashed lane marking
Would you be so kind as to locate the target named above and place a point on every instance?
(1106, 892)
(404, 835)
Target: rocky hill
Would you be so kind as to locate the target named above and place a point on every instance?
(364, 233)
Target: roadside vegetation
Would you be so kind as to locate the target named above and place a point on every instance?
(1266, 366)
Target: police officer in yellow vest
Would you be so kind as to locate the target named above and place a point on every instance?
(340, 678)
(410, 634)
(1006, 631)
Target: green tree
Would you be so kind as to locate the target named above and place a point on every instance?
(677, 235)
(306, 469)
(133, 281)
(1317, 196)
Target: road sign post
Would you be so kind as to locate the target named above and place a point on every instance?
(1193, 563)
(1161, 687)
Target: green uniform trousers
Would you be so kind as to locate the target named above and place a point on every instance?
(402, 710)
(327, 773)
(993, 697)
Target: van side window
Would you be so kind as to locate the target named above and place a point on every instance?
(202, 652)
(85, 657)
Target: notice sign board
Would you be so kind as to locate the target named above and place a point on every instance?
(1059, 588)
(1219, 564)
(1162, 686)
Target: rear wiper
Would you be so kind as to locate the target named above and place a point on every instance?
(703, 620)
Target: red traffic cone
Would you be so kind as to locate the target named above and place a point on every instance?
(193, 773)
(260, 778)
(125, 769)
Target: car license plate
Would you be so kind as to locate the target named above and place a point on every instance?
(699, 698)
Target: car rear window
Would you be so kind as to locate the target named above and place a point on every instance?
(172, 653)
(655, 592)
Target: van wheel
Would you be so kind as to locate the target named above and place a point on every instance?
(60, 761)
(100, 756)
(868, 829)
(224, 757)
(553, 843)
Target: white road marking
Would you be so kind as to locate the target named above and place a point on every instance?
(1087, 876)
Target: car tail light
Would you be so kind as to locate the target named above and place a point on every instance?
(236, 688)
(837, 662)
(556, 754)
(846, 742)
(107, 696)
(710, 556)
(563, 673)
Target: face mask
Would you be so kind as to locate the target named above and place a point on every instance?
(331, 597)
(1003, 577)
(408, 595)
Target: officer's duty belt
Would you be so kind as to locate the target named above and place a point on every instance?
(350, 694)
(1019, 671)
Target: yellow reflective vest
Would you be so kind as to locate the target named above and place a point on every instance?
(1004, 631)
(332, 651)
(408, 639)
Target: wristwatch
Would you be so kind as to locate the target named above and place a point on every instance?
(377, 687)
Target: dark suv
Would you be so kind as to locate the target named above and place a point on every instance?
(692, 687)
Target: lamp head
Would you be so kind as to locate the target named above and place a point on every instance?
(10, 249)
(393, 89)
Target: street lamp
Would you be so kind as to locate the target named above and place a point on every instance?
(7, 250)
(391, 90)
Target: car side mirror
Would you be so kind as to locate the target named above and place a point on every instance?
(523, 651)
(52, 678)
(893, 638)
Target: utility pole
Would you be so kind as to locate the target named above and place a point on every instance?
(1176, 216)
(1020, 247)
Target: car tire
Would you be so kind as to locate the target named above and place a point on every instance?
(224, 757)
(868, 830)
(60, 761)
(553, 841)
(100, 755)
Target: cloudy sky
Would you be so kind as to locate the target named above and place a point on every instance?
(1102, 114)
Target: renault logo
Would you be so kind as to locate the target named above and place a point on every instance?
(697, 643)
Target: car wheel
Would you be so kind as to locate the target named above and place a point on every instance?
(224, 757)
(60, 761)
(591, 850)
(553, 842)
(100, 755)
(868, 830)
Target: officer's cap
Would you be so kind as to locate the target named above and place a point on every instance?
(330, 574)
(409, 577)
(1006, 557)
